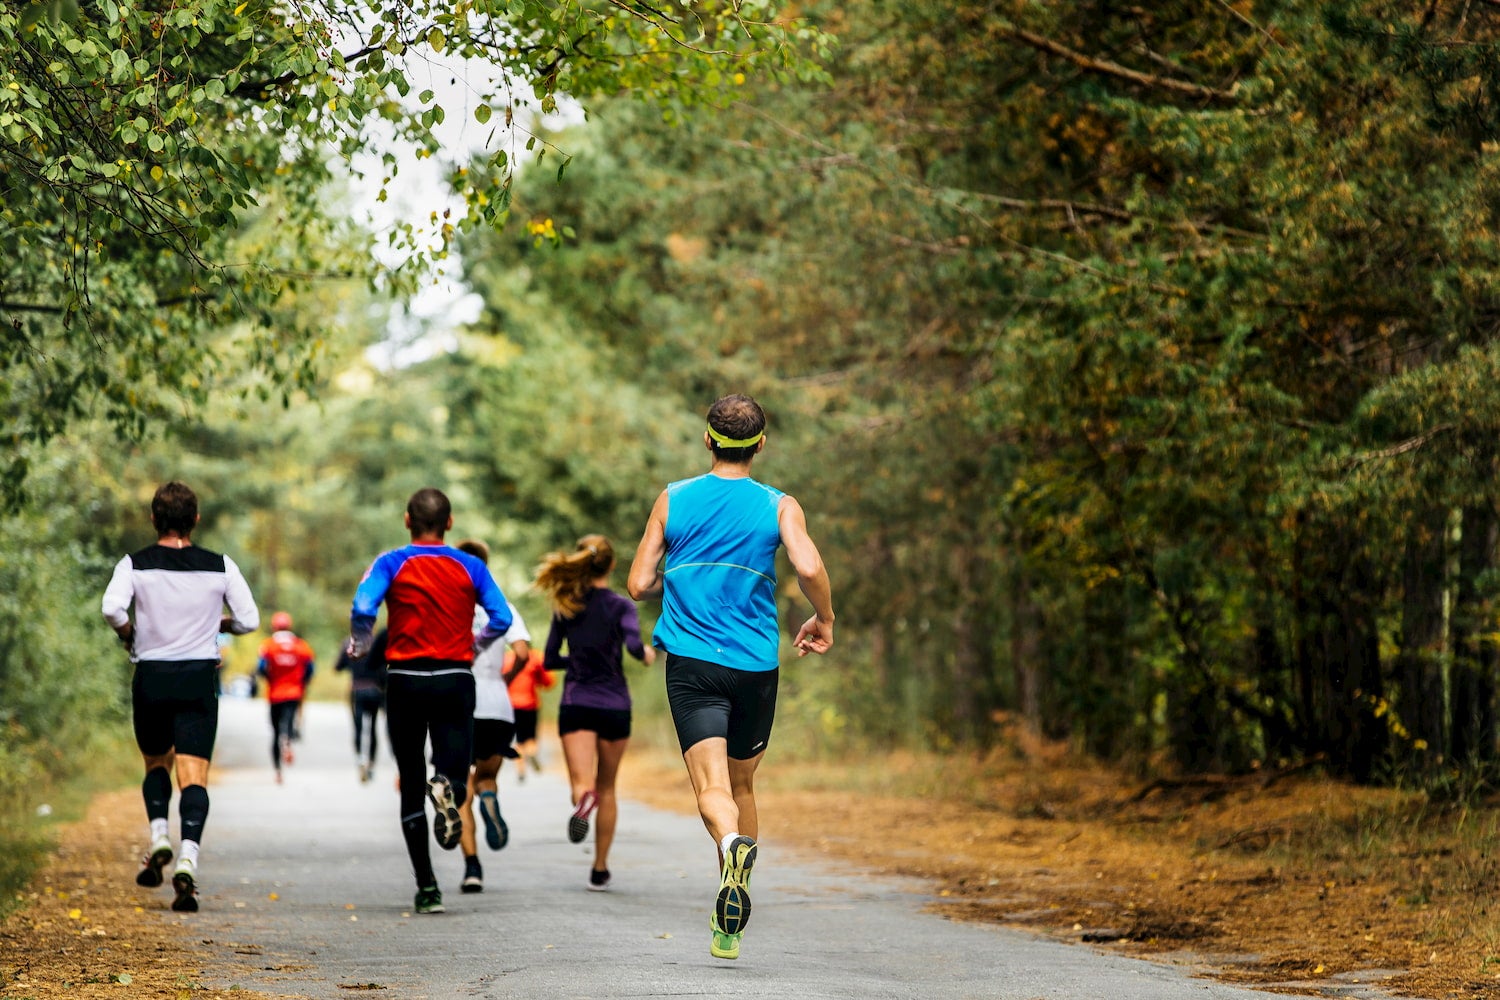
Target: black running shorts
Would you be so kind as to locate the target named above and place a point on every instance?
(709, 700)
(174, 704)
(525, 724)
(606, 723)
(492, 738)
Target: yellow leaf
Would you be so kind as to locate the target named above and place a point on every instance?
(241, 8)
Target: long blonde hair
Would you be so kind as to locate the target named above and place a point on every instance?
(567, 577)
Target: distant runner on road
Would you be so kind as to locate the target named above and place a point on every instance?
(286, 662)
(429, 590)
(523, 675)
(718, 534)
(179, 592)
(366, 699)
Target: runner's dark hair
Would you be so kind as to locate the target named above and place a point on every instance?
(429, 510)
(736, 417)
(174, 508)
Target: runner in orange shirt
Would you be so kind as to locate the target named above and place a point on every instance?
(286, 662)
(523, 679)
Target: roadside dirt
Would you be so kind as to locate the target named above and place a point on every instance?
(1271, 879)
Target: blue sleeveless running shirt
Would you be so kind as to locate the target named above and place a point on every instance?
(719, 596)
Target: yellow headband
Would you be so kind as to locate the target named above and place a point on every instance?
(729, 442)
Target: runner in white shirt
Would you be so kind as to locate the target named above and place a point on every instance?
(494, 730)
(178, 592)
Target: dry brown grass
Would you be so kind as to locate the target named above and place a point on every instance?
(1276, 880)
(1272, 879)
(85, 933)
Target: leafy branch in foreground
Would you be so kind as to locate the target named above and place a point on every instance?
(140, 138)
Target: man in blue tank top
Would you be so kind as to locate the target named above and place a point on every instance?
(718, 534)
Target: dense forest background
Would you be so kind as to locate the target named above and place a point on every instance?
(1136, 366)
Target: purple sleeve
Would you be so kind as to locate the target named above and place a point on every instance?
(553, 659)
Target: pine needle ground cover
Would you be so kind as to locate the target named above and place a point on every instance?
(1280, 878)
(1276, 878)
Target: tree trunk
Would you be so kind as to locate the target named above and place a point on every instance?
(1338, 648)
(1420, 666)
(1474, 663)
(966, 677)
(1025, 635)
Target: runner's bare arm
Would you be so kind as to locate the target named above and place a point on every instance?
(816, 634)
(520, 651)
(645, 570)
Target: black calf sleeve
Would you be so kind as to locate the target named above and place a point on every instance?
(156, 789)
(414, 829)
(193, 808)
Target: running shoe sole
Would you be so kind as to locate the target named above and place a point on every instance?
(724, 945)
(150, 874)
(578, 823)
(496, 833)
(187, 893)
(447, 824)
(732, 907)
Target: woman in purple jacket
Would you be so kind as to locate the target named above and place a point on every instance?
(593, 720)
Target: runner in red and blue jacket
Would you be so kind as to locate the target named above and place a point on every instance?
(429, 590)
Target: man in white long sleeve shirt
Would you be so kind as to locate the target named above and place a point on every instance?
(179, 592)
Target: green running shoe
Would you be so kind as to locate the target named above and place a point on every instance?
(732, 907)
(429, 900)
(724, 945)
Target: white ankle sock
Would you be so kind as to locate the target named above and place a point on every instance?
(724, 844)
(188, 852)
(159, 829)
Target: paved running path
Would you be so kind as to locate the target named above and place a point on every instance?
(306, 891)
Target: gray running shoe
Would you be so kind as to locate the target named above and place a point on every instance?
(496, 833)
(578, 823)
(185, 884)
(152, 864)
(447, 824)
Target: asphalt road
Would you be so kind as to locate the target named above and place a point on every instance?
(306, 891)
